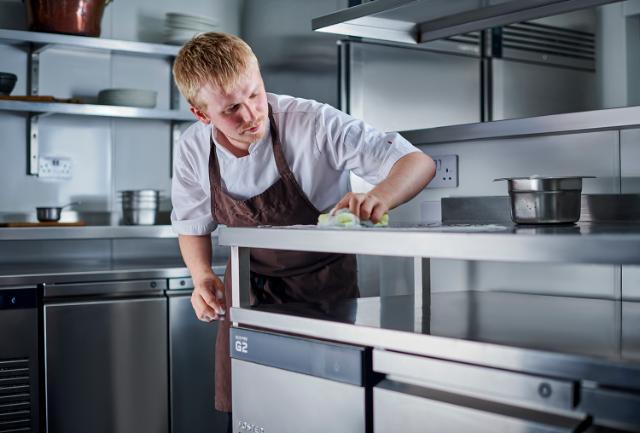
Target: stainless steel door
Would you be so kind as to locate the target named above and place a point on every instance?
(106, 366)
(192, 359)
(273, 400)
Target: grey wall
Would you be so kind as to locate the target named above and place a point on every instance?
(294, 59)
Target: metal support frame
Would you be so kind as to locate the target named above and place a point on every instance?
(33, 89)
(240, 282)
(422, 294)
(175, 136)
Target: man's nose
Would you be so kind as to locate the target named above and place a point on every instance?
(249, 113)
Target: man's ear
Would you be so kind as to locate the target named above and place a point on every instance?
(202, 117)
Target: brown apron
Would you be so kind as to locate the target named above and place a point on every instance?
(277, 276)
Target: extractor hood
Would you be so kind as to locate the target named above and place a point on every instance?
(418, 21)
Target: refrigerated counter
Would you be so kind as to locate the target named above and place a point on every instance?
(472, 360)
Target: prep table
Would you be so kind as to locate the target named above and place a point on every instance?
(539, 363)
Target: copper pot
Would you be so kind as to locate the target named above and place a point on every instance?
(75, 17)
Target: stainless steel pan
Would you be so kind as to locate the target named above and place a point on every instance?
(51, 213)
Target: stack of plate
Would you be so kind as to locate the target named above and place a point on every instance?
(180, 27)
(128, 97)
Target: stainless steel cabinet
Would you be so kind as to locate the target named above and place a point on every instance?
(106, 358)
(192, 359)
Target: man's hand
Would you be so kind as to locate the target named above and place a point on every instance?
(208, 300)
(366, 206)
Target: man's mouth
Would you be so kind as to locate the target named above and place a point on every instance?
(252, 130)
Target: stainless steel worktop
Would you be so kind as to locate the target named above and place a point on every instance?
(577, 338)
(93, 270)
(597, 243)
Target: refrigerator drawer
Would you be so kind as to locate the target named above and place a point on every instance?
(488, 383)
(287, 384)
(269, 399)
(399, 407)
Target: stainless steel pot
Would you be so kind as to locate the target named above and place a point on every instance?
(545, 200)
(140, 207)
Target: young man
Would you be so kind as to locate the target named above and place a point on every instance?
(256, 158)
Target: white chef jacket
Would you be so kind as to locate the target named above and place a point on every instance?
(321, 145)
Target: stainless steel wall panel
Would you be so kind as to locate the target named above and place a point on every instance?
(525, 89)
(141, 159)
(294, 60)
(396, 88)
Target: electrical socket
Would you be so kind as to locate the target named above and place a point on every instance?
(54, 167)
(446, 172)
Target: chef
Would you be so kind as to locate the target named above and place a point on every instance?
(257, 158)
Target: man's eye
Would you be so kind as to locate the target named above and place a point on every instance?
(253, 96)
(232, 109)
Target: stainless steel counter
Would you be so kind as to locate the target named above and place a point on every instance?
(576, 338)
(92, 270)
(87, 232)
(599, 243)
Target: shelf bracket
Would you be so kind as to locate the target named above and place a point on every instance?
(34, 71)
(33, 138)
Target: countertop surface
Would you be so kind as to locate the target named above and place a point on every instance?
(69, 271)
(596, 243)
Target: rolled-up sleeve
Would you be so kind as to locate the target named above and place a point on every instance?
(191, 214)
(351, 144)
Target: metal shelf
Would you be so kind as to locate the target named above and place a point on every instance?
(566, 123)
(95, 110)
(593, 243)
(111, 45)
(418, 21)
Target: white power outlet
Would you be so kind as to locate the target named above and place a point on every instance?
(54, 167)
(446, 172)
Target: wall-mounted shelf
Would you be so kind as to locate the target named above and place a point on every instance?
(38, 42)
(83, 42)
(566, 123)
(95, 110)
(418, 21)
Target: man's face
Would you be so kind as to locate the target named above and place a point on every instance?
(241, 114)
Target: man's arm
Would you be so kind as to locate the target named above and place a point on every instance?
(408, 176)
(207, 298)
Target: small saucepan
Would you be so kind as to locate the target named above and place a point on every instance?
(51, 213)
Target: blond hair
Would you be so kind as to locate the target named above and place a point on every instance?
(211, 58)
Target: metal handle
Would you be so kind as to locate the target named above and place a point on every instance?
(410, 408)
(104, 288)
